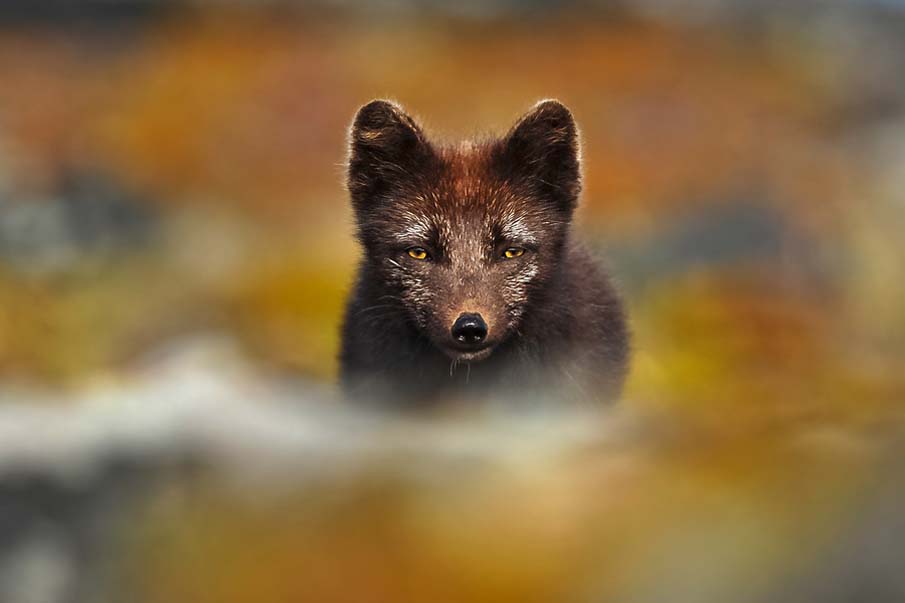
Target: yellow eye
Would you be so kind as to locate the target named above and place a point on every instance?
(513, 252)
(417, 253)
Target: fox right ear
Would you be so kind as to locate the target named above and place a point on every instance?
(542, 148)
(386, 146)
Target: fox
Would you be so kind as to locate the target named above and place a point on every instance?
(471, 283)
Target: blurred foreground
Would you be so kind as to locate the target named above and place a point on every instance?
(175, 247)
(195, 485)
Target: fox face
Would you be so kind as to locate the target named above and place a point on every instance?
(464, 238)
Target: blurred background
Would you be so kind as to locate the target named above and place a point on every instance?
(176, 245)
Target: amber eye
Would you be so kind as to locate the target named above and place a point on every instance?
(417, 253)
(513, 252)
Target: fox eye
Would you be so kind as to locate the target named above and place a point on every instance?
(513, 252)
(417, 253)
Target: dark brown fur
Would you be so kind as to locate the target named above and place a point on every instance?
(555, 323)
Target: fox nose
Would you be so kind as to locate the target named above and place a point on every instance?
(469, 329)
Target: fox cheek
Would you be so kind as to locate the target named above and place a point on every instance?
(417, 299)
(517, 291)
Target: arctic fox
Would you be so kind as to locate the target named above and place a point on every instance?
(471, 282)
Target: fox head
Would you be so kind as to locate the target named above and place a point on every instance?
(464, 237)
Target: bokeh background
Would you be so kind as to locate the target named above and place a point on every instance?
(176, 245)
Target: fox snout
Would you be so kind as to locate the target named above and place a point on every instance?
(469, 338)
(469, 330)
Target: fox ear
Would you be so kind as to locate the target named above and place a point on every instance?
(542, 149)
(386, 146)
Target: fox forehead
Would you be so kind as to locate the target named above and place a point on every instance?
(415, 225)
(466, 199)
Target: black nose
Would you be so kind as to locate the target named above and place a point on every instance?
(469, 329)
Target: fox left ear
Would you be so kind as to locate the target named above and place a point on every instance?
(542, 149)
(386, 147)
